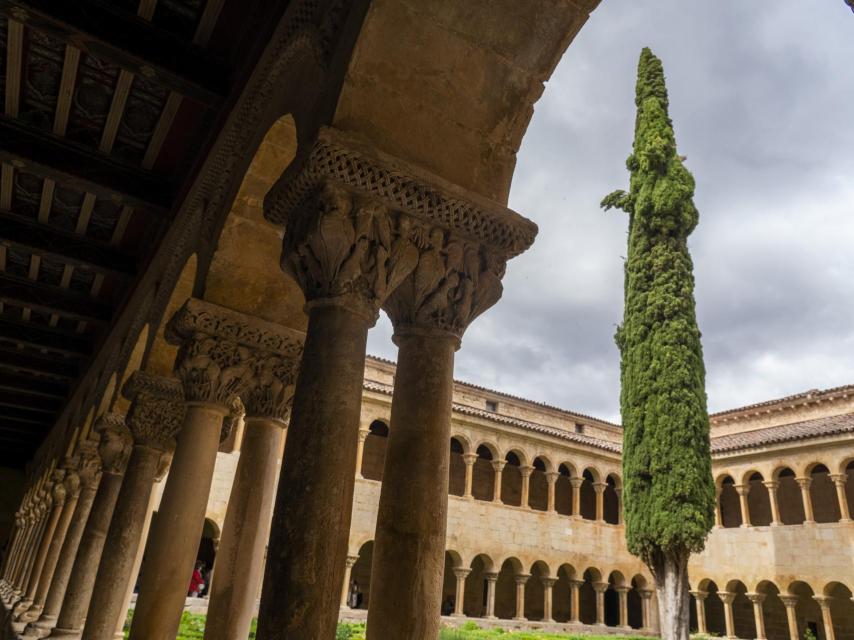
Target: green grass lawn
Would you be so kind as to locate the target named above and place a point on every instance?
(193, 628)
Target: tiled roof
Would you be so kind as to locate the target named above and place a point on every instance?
(828, 426)
(796, 398)
(526, 425)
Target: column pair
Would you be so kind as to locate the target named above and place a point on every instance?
(743, 490)
(25, 520)
(220, 350)
(154, 419)
(364, 230)
(804, 484)
(114, 445)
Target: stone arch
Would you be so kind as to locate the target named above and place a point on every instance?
(789, 499)
(535, 591)
(505, 587)
(588, 494)
(161, 356)
(360, 575)
(635, 601)
(825, 504)
(562, 593)
(483, 474)
(773, 611)
(758, 499)
(373, 456)
(616, 580)
(457, 466)
(729, 503)
(743, 619)
(464, 442)
(476, 585)
(611, 499)
(587, 595)
(713, 607)
(134, 363)
(563, 489)
(538, 492)
(511, 478)
(841, 609)
(807, 610)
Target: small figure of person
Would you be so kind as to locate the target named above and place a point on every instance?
(448, 606)
(354, 599)
(197, 583)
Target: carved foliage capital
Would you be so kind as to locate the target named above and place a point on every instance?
(271, 390)
(115, 442)
(157, 410)
(89, 463)
(347, 250)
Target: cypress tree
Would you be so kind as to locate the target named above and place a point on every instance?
(668, 493)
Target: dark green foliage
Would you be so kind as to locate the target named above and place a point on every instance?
(668, 492)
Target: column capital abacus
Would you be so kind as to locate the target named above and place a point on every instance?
(600, 587)
(646, 594)
(548, 582)
(470, 458)
(839, 478)
(59, 492)
(576, 482)
(351, 561)
(804, 483)
(552, 476)
(236, 411)
(756, 598)
(526, 470)
(461, 573)
(698, 595)
(622, 589)
(522, 578)
(728, 597)
(364, 432)
(499, 465)
(490, 576)
(599, 487)
(577, 583)
(72, 482)
(114, 444)
(771, 485)
(823, 601)
(157, 410)
(742, 489)
(274, 372)
(88, 463)
(788, 600)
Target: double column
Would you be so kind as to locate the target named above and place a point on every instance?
(804, 484)
(267, 401)
(218, 353)
(156, 415)
(114, 449)
(700, 606)
(743, 490)
(839, 480)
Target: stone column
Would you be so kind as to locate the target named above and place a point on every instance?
(646, 610)
(25, 520)
(548, 593)
(155, 417)
(623, 596)
(27, 572)
(454, 281)
(71, 486)
(600, 588)
(576, 483)
(491, 579)
(114, 450)
(619, 492)
(59, 495)
(14, 546)
(521, 581)
(790, 602)
(827, 620)
(89, 472)
(498, 466)
(345, 590)
(526, 472)
(772, 486)
(35, 515)
(219, 348)
(728, 599)
(757, 599)
(575, 596)
(804, 484)
(743, 490)
(599, 488)
(460, 574)
(700, 606)
(469, 459)
(718, 517)
(551, 480)
(341, 251)
(240, 558)
(839, 480)
(360, 450)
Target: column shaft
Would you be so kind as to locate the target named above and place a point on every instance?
(245, 532)
(520, 597)
(826, 618)
(491, 579)
(839, 481)
(548, 590)
(409, 551)
(758, 617)
(123, 541)
(775, 506)
(41, 556)
(345, 587)
(804, 484)
(700, 606)
(576, 496)
(180, 519)
(791, 615)
(360, 451)
(498, 467)
(470, 459)
(743, 491)
(575, 596)
(551, 479)
(304, 570)
(600, 602)
(730, 625)
(526, 486)
(460, 593)
(79, 591)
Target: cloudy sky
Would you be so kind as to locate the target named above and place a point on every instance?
(762, 98)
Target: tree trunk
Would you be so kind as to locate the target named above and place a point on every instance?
(670, 571)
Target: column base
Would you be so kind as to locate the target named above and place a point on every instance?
(776, 524)
(31, 615)
(845, 520)
(66, 634)
(517, 619)
(744, 526)
(21, 607)
(36, 631)
(809, 523)
(458, 615)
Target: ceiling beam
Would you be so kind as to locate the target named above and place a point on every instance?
(29, 385)
(27, 293)
(20, 360)
(48, 338)
(129, 42)
(69, 248)
(48, 406)
(80, 167)
(16, 414)
(18, 429)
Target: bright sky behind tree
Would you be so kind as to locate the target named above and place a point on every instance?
(762, 100)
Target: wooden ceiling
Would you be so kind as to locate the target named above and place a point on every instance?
(109, 107)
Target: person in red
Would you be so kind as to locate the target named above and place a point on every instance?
(197, 583)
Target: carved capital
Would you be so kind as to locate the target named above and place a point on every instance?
(58, 492)
(522, 578)
(88, 463)
(461, 573)
(72, 483)
(115, 443)
(218, 348)
(756, 598)
(157, 410)
(576, 482)
(271, 389)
